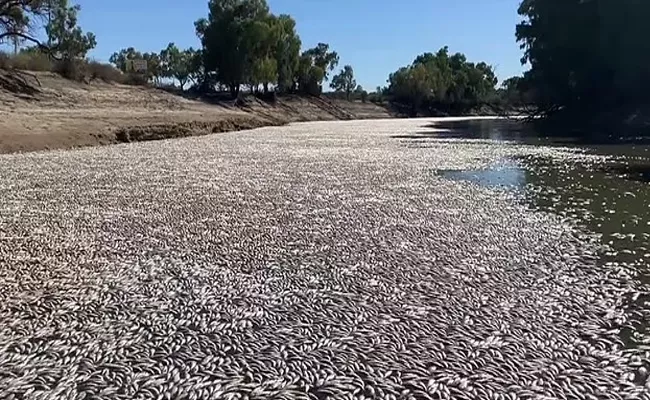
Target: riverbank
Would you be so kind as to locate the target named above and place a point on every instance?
(625, 124)
(46, 112)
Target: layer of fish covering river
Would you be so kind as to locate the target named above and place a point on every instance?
(345, 260)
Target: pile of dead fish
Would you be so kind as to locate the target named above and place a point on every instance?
(306, 262)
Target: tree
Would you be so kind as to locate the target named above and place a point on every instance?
(411, 85)
(586, 57)
(67, 39)
(361, 93)
(344, 81)
(309, 77)
(443, 83)
(196, 70)
(287, 52)
(18, 16)
(313, 67)
(177, 64)
(226, 45)
(154, 66)
(120, 59)
(260, 41)
(514, 92)
(154, 62)
(264, 72)
(323, 58)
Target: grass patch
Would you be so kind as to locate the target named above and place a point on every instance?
(77, 70)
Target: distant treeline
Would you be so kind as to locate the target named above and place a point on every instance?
(244, 46)
(587, 57)
(589, 70)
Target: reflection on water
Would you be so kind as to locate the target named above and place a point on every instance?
(506, 174)
(612, 200)
(483, 129)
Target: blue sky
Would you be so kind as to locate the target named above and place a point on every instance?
(375, 36)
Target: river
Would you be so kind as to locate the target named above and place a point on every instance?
(610, 199)
(389, 259)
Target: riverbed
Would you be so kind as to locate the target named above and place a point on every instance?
(387, 259)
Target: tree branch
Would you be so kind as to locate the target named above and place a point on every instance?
(38, 43)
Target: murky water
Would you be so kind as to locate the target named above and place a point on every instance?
(612, 200)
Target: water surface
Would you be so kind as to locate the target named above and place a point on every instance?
(610, 199)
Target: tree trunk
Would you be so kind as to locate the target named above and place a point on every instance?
(234, 90)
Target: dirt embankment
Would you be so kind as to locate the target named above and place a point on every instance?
(47, 112)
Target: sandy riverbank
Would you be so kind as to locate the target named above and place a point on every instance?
(53, 113)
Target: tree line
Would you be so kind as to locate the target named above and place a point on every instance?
(588, 58)
(442, 82)
(245, 45)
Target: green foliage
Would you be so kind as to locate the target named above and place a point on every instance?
(344, 81)
(264, 71)
(313, 68)
(411, 85)
(67, 42)
(177, 64)
(243, 44)
(287, 52)
(196, 70)
(442, 83)
(585, 56)
(323, 58)
(229, 37)
(260, 40)
(364, 97)
(119, 59)
(67, 39)
(18, 16)
(377, 96)
(309, 77)
(360, 93)
(105, 72)
(514, 92)
(29, 59)
(154, 63)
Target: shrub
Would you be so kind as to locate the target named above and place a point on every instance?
(5, 60)
(105, 72)
(364, 96)
(33, 61)
(73, 69)
(70, 69)
(135, 80)
(27, 61)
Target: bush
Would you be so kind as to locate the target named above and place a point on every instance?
(135, 80)
(70, 69)
(35, 61)
(5, 60)
(364, 96)
(105, 72)
(28, 61)
(73, 69)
